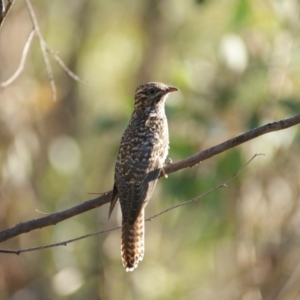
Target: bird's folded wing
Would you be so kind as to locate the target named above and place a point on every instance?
(114, 199)
(140, 180)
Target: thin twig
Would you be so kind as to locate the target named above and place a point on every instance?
(169, 168)
(42, 213)
(63, 65)
(22, 61)
(43, 48)
(224, 184)
(64, 243)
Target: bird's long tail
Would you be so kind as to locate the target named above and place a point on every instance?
(132, 244)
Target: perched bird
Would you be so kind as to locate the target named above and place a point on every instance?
(143, 150)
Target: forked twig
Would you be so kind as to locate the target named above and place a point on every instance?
(43, 48)
(22, 61)
(65, 243)
(63, 65)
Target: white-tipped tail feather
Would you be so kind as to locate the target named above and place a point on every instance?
(132, 245)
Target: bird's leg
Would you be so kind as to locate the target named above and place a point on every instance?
(162, 170)
(169, 161)
(163, 173)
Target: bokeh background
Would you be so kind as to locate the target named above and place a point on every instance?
(237, 64)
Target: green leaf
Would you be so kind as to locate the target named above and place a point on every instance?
(241, 12)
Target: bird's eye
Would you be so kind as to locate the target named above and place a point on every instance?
(152, 91)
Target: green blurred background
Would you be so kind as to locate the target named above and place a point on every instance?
(237, 65)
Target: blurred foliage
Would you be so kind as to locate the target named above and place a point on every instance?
(237, 64)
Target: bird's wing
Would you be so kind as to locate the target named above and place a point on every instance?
(137, 180)
(114, 199)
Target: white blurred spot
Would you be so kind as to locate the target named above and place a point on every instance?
(154, 283)
(19, 159)
(252, 293)
(234, 53)
(67, 281)
(64, 154)
(66, 256)
(111, 246)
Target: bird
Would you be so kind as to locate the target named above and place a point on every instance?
(143, 150)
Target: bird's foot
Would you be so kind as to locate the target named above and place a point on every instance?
(163, 173)
(169, 161)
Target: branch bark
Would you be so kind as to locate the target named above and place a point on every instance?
(66, 242)
(191, 161)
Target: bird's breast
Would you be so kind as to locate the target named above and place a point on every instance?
(145, 139)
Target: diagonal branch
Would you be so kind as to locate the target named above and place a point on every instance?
(224, 184)
(43, 48)
(63, 65)
(23, 60)
(65, 243)
(55, 218)
(236, 141)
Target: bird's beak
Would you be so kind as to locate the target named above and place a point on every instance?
(171, 89)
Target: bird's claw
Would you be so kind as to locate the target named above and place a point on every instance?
(169, 161)
(163, 172)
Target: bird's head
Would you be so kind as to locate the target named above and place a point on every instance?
(151, 95)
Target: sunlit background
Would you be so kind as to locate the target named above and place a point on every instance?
(237, 65)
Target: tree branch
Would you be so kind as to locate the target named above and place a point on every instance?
(44, 48)
(55, 218)
(245, 137)
(65, 243)
(63, 65)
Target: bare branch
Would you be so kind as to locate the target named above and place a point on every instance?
(43, 48)
(236, 141)
(65, 243)
(63, 65)
(22, 61)
(55, 218)
(224, 184)
(170, 168)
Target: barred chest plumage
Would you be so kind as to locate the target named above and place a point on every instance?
(147, 132)
(159, 128)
